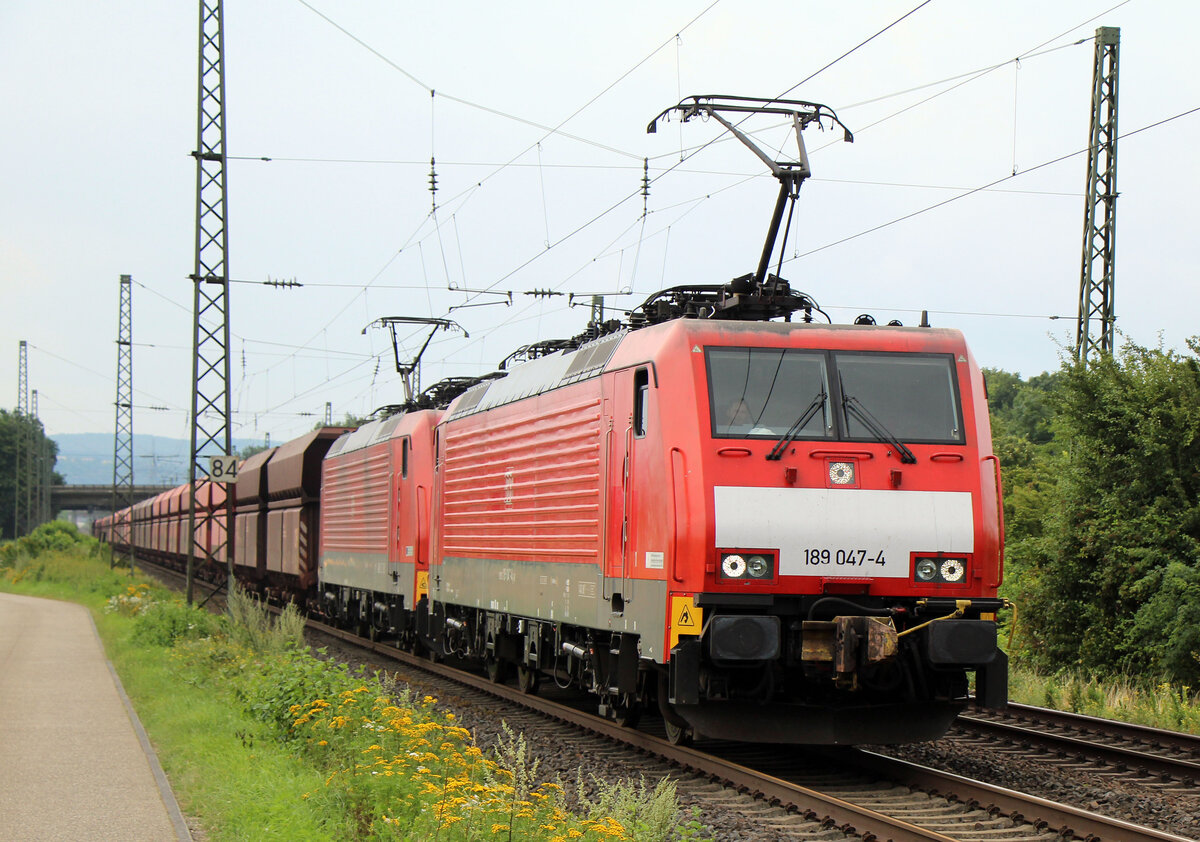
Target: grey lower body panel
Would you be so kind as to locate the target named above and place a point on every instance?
(368, 572)
(564, 592)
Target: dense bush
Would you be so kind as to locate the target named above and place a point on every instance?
(165, 622)
(53, 536)
(1104, 517)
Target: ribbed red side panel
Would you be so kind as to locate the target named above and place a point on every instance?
(525, 484)
(354, 507)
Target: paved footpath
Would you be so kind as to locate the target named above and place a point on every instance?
(75, 763)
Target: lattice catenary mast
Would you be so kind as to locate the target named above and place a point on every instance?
(20, 478)
(36, 457)
(122, 484)
(210, 359)
(1097, 291)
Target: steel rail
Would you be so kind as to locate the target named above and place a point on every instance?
(1123, 759)
(1069, 822)
(814, 805)
(1159, 737)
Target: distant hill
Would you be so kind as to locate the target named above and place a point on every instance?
(87, 458)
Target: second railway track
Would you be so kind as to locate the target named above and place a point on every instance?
(1152, 757)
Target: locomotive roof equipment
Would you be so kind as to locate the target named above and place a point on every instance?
(791, 173)
(411, 371)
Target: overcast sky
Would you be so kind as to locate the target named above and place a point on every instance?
(97, 181)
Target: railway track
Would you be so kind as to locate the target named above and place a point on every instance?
(803, 795)
(1152, 757)
(859, 793)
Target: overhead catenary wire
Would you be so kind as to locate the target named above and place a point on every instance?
(103, 377)
(683, 159)
(518, 164)
(549, 130)
(856, 47)
(983, 187)
(621, 202)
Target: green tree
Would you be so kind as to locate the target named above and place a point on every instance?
(250, 449)
(20, 435)
(1023, 437)
(1113, 583)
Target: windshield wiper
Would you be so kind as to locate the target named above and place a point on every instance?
(855, 407)
(817, 403)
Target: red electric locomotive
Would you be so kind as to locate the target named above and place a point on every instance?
(780, 529)
(375, 500)
(775, 530)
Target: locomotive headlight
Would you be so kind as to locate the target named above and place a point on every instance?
(733, 566)
(757, 566)
(953, 570)
(941, 570)
(747, 565)
(841, 473)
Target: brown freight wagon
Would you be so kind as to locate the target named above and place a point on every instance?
(293, 511)
(250, 536)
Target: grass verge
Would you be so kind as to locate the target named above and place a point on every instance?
(261, 740)
(1157, 704)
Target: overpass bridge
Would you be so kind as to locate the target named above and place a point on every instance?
(93, 498)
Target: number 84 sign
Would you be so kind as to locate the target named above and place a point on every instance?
(222, 468)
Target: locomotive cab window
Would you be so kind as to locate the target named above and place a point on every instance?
(641, 400)
(404, 457)
(912, 396)
(765, 392)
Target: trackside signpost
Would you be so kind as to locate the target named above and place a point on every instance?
(222, 468)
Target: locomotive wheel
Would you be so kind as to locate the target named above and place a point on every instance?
(527, 679)
(496, 669)
(678, 735)
(434, 653)
(626, 711)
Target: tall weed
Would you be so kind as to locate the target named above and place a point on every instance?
(647, 814)
(252, 626)
(1161, 705)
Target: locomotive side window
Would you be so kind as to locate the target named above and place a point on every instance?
(641, 400)
(766, 391)
(404, 457)
(913, 396)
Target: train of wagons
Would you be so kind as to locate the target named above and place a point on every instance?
(765, 529)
